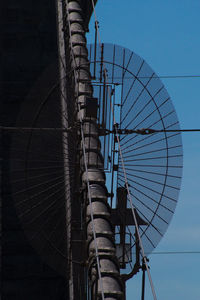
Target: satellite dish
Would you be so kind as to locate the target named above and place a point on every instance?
(153, 162)
(41, 178)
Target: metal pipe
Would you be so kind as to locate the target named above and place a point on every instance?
(143, 281)
(109, 266)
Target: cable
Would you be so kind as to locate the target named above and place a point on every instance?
(139, 77)
(162, 76)
(35, 129)
(145, 131)
(176, 252)
(142, 131)
(135, 220)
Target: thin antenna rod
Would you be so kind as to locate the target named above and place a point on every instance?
(95, 49)
(143, 281)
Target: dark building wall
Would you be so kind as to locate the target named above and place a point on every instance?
(28, 37)
(28, 47)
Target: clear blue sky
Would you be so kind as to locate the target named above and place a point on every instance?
(167, 35)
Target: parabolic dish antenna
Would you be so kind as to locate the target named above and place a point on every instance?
(41, 178)
(153, 162)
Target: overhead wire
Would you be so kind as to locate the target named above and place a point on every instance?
(9, 128)
(142, 131)
(161, 76)
(139, 77)
(176, 252)
(135, 220)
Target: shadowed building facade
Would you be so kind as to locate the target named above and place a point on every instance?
(28, 41)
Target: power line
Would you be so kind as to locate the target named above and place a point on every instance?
(175, 252)
(142, 131)
(145, 131)
(161, 76)
(129, 77)
(34, 129)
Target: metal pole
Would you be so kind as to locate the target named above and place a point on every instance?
(143, 281)
(109, 267)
